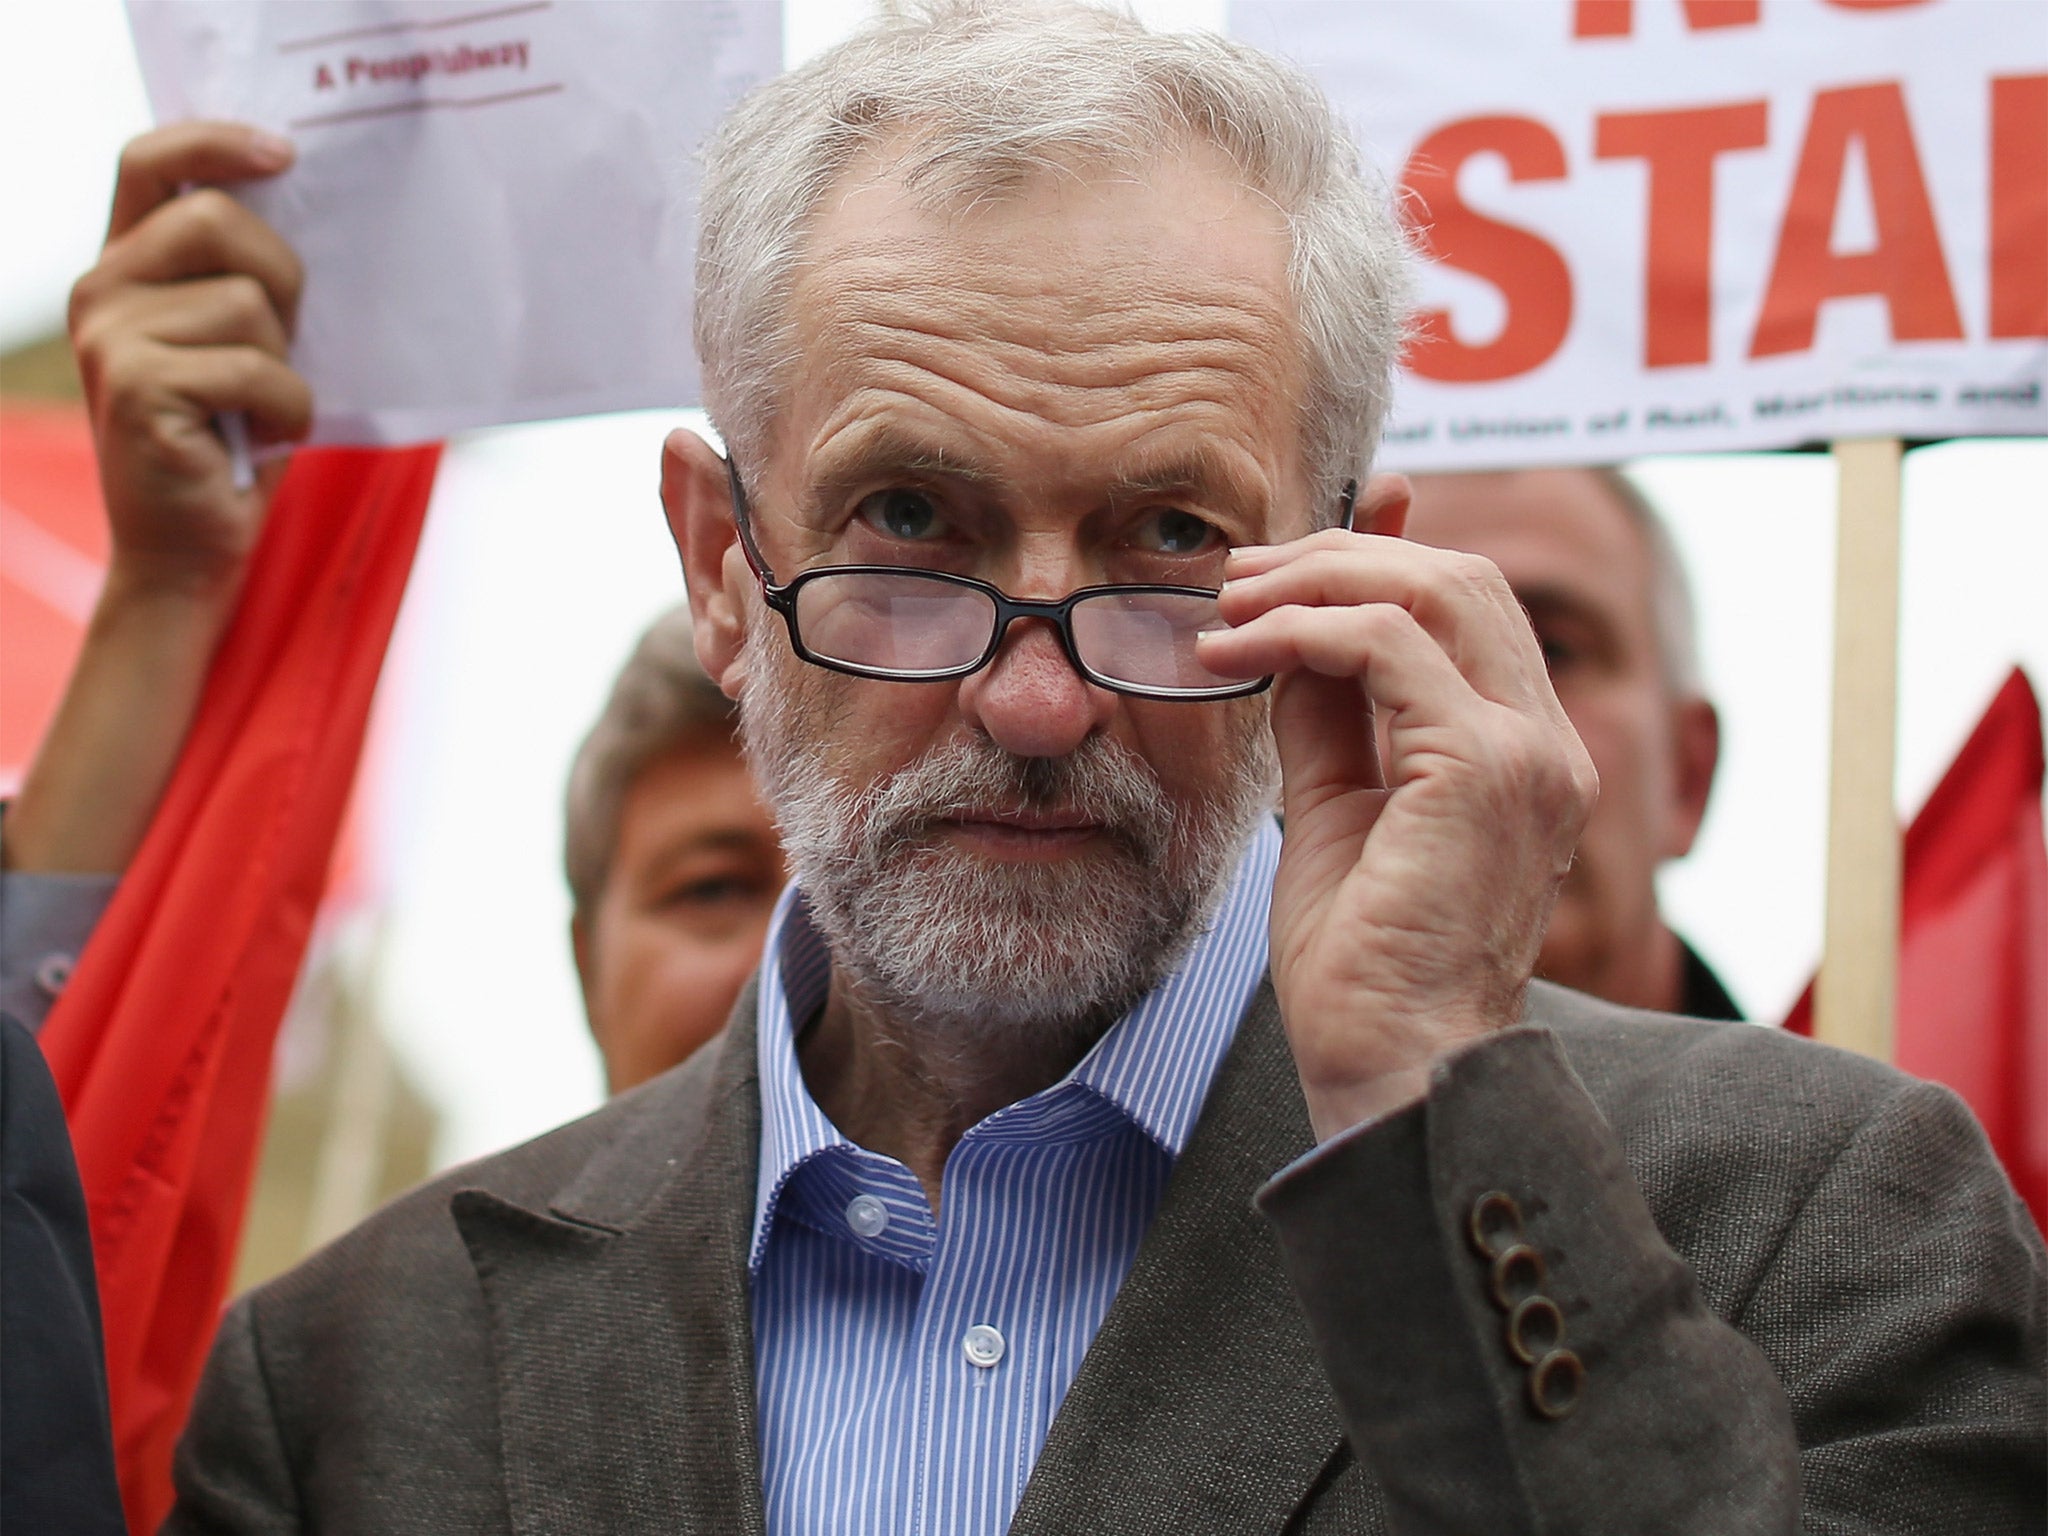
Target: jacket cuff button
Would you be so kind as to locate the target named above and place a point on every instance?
(1517, 1274)
(1555, 1384)
(1535, 1329)
(1494, 1224)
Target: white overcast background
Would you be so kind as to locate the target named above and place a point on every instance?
(545, 554)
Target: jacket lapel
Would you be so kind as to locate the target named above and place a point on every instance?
(619, 1316)
(1201, 1407)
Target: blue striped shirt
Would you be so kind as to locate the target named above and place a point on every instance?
(909, 1369)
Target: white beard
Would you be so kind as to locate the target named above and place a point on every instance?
(968, 954)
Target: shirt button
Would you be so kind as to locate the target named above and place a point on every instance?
(982, 1345)
(867, 1216)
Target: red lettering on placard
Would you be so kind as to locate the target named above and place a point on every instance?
(1532, 277)
(2019, 205)
(1680, 148)
(1905, 267)
(1617, 18)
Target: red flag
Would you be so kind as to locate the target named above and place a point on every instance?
(161, 1042)
(53, 558)
(1973, 948)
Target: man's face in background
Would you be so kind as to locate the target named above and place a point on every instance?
(678, 924)
(1583, 568)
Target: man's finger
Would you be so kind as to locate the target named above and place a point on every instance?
(1380, 644)
(204, 312)
(275, 398)
(158, 164)
(1460, 601)
(202, 234)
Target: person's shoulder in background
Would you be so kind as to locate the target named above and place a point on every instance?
(56, 1442)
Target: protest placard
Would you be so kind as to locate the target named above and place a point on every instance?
(1672, 226)
(492, 201)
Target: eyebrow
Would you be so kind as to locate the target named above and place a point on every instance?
(1548, 600)
(888, 448)
(705, 841)
(1555, 596)
(1202, 470)
(725, 838)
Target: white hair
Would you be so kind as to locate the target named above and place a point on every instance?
(974, 97)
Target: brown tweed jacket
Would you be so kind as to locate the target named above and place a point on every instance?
(1805, 1299)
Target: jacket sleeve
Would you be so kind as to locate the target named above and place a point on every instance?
(1618, 1403)
(1884, 1374)
(231, 1472)
(45, 921)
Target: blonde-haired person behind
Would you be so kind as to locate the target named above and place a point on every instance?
(673, 864)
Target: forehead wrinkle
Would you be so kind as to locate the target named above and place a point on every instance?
(1114, 311)
(965, 378)
(908, 426)
(940, 317)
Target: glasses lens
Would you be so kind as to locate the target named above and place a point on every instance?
(1147, 639)
(904, 623)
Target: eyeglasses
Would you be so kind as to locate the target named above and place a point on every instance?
(903, 624)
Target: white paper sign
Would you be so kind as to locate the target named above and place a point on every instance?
(1683, 225)
(494, 204)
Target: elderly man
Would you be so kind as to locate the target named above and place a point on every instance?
(1049, 356)
(1586, 554)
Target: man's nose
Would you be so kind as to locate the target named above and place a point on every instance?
(1030, 701)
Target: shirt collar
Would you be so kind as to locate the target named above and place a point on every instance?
(795, 972)
(1155, 1064)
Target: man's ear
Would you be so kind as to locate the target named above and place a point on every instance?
(697, 497)
(1383, 505)
(1695, 753)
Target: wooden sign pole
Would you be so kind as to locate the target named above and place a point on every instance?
(1856, 995)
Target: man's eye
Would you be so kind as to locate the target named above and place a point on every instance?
(902, 514)
(711, 891)
(1170, 531)
(1558, 655)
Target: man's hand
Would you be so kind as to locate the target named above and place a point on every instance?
(187, 317)
(1413, 892)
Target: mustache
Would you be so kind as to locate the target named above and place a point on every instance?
(1100, 782)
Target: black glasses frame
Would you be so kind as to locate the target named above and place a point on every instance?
(1058, 612)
